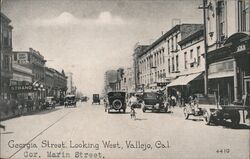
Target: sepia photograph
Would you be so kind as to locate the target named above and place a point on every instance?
(125, 79)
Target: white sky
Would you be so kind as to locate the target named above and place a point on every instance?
(87, 37)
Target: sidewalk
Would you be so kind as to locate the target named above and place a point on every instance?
(4, 116)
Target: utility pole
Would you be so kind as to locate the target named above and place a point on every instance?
(204, 7)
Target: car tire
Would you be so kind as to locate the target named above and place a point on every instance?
(235, 118)
(186, 115)
(117, 104)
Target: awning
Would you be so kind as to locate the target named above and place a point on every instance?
(184, 80)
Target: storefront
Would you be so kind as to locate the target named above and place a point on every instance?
(186, 85)
(229, 69)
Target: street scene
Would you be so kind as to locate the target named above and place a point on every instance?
(125, 79)
(90, 124)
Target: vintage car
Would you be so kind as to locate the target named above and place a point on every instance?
(154, 101)
(49, 102)
(96, 99)
(116, 101)
(70, 100)
(192, 107)
(214, 112)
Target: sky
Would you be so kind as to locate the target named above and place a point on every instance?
(88, 37)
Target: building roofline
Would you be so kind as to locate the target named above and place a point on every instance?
(5, 17)
(167, 34)
(191, 37)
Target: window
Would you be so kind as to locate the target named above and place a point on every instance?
(6, 62)
(172, 44)
(168, 65)
(163, 57)
(5, 38)
(15, 57)
(191, 54)
(185, 60)
(198, 56)
(164, 74)
(160, 58)
(168, 47)
(243, 16)
(221, 20)
(172, 64)
(177, 62)
(176, 42)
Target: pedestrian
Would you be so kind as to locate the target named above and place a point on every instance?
(132, 102)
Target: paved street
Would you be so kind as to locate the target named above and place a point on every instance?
(84, 132)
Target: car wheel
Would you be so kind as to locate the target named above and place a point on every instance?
(108, 110)
(117, 104)
(186, 115)
(235, 118)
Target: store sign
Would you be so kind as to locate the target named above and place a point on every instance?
(21, 88)
(241, 48)
(22, 57)
(162, 84)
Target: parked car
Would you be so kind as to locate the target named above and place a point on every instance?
(192, 107)
(154, 101)
(70, 100)
(49, 102)
(212, 111)
(96, 99)
(116, 101)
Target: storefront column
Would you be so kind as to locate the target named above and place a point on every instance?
(235, 81)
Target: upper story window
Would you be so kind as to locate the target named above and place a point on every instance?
(173, 64)
(198, 56)
(221, 20)
(168, 47)
(172, 44)
(185, 60)
(176, 42)
(191, 54)
(168, 65)
(177, 62)
(243, 16)
(6, 62)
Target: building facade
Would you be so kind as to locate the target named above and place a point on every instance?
(138, 51)
(190, 76)
(5, 56)
(127, 82)
(228, 58)
(36, 62)
(21, 83)
(159, 64)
